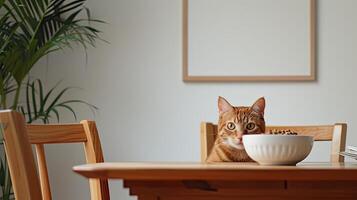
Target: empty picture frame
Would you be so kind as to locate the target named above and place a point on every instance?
(249, 40)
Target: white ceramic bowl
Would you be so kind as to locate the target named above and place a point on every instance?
(278, 149)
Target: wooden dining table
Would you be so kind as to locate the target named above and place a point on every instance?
(206, 181)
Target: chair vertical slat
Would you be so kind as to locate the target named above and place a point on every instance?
(22, 166)
(207, 139)
(43, 172)
(93, 150)
(338, 142)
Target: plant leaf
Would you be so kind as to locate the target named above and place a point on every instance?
(2, 174)
(29, 114)
(34, 103)
(70, 109)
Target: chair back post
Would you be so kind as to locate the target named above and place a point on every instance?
(208, 131)
(338, 142)
(21, 163)
(43, 172)
(99, 188)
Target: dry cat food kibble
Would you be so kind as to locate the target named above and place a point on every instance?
(282, 132)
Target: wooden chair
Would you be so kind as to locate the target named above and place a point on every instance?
(30, 184)
(335, 133)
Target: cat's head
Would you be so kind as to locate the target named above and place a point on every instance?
(234, 122)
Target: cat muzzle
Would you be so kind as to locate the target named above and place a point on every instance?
(235, 143)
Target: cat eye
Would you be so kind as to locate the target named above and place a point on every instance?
(250, 126)
(231, 126)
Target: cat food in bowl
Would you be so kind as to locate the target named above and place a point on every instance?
(270, 149)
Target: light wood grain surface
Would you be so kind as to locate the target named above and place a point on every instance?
(43, 172)
(55, 133)
(220, 171)
(98, 187)
(228, 181)
(25, 181)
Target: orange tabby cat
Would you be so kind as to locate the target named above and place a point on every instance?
(233, 123)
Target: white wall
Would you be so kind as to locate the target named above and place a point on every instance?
(148, 114)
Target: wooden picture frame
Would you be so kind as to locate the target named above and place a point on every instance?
(311, 55)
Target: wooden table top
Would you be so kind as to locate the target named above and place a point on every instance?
(217, 171)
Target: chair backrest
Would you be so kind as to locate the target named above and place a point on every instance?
(30, 183)
(335, 133)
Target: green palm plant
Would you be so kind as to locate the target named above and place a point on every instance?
(7, 34)
(41, 105)
(30, 30)
(42, 27)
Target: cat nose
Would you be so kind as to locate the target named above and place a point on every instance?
(239, 140)
(240, 134)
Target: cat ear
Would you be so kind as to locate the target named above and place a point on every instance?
(223, 105)
(259, 105)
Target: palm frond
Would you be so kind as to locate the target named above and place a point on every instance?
(46, 26)
(43, 106)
